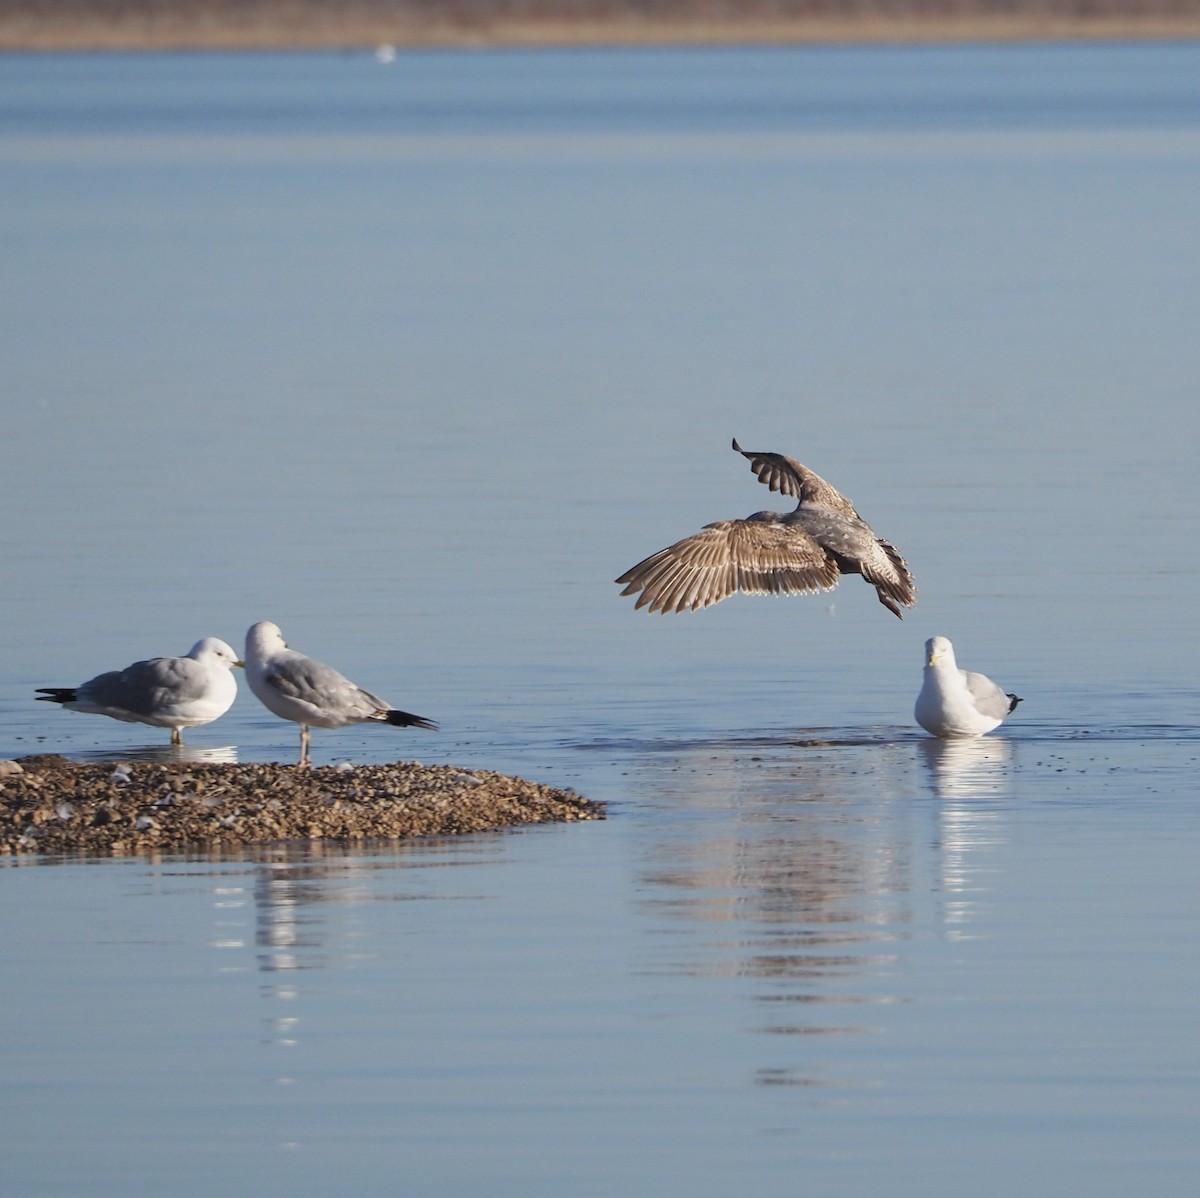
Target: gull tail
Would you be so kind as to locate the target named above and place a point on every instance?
(405, 719)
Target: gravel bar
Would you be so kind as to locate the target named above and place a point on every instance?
(51, 806)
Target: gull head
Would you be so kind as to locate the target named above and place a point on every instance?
(212, 648)
(263, 639)
(939, 651)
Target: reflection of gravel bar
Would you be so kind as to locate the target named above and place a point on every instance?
(57, 806)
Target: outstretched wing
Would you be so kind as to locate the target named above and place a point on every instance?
(758, 556)
(789, 477)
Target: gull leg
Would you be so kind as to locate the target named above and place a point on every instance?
(304, 744)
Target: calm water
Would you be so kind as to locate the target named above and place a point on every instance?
(414, 360)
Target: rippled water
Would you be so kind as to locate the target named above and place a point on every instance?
(414, 360)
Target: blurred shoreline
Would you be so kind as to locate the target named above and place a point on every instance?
(121, 25)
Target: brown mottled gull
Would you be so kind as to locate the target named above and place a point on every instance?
(774, 553)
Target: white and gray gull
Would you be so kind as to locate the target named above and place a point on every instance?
(309, 693)
(954, 702)
(774, 553)
(165, 692)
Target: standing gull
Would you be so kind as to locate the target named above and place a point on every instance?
(955, 702)
(310, 693)
(165, 692)
(774, 553)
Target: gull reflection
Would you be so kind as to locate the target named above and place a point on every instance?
(289, 920)
(968, 776)
(785, 865)
(167, 754)
(289, 910)
(968, 768)
(273, 902)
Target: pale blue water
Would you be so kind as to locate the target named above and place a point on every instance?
(414, 360)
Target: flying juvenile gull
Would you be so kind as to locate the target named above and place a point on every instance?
(310, 693)
(165, 692)
(774, 553)
(955, 702)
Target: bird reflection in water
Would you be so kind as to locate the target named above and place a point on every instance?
(288, 901)
(303, 902)
(285, 890)
(165, 754)
(969, 768)
(289, 896)
(786, 865)
(969, 776)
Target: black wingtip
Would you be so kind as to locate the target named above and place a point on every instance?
(405, 719)
(1013, 700)
(737, 446)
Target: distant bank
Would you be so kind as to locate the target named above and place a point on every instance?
(355, 24)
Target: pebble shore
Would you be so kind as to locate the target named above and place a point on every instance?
(51, 806)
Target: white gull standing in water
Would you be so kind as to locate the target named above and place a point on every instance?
(774, 553)
(309, 693)
(956, 702)
(165, 692)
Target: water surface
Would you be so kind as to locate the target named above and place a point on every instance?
(414, 360)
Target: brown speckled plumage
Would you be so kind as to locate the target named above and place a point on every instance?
(774, 553)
